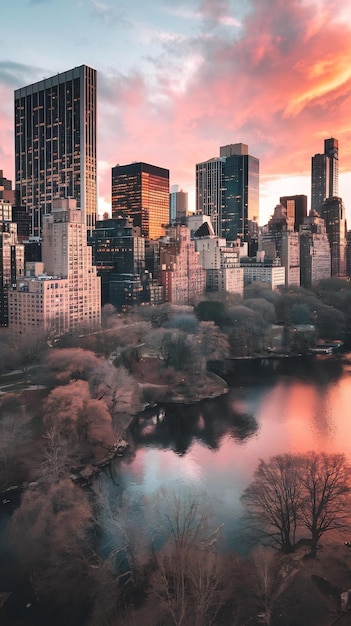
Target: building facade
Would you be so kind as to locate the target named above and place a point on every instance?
(178, 205)
(117, 248)
(296, 208)
(315, 262)
(11, 258)
(227, 190)
(333, 213)
(325, 174)
(55, 145)
(67, 297)
(141, 191)
(280, 242)
(180, 274)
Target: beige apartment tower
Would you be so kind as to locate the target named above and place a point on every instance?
(67, 296)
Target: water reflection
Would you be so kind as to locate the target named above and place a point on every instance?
(214, 447)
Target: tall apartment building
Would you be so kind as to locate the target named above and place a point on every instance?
(227, 189)
(178, 205)
(67, 296)
(314, 251)
(141, 191)
(11, 258)
(333, 213)
(180, 274)
(55, 145)
(325, 174)
(279, 241)
(296, 208)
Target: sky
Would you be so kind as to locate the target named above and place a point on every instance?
(177, 80)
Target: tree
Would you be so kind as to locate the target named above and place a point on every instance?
(212, 311)
(70, 364)
(247, 333)
(51, 535)
(326, 494)
(189, 580)
(14, 433)
(60, 454)
(274, 575)
(273, 500)
(292, 493)
(213, 344)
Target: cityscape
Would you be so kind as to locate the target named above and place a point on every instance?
(151, 250)
(175, 313)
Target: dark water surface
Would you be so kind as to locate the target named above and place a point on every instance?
(211, 449)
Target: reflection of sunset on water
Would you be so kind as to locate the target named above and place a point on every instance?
(213, 448)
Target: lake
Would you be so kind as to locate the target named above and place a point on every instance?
(211, 449)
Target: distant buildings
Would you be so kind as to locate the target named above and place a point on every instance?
(178, 205)
(141, 191)
(67, 296)
(55, 145)
(227, 190)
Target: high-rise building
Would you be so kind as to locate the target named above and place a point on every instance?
(117, 248)
(55, 145)
(141, 191)
(325, 174)
(280, 242)
(314, 251)
(181, 274)
(178, 205)
(227, 189)
(11, 258)
(333, 213)
(296, 208)
(67, 296)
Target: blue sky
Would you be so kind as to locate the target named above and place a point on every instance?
(178, 79)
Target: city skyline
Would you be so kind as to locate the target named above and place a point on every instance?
(176, 81)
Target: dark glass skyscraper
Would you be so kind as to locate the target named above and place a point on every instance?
(227, 189)
(325, 174)
(141, 191)
(55, 144)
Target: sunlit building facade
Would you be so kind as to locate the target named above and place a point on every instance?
(280, 242)
(55, 145)
(141, 191)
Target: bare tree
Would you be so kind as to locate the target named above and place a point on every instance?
(274, 575)
(326, 494)
(188, 581)
(273, 500)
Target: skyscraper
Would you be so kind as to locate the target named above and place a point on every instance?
(141, 191)
(227, 189)
(325, 174)
(55, 144)
(333, 213)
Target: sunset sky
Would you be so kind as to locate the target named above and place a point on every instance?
(176, 80)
